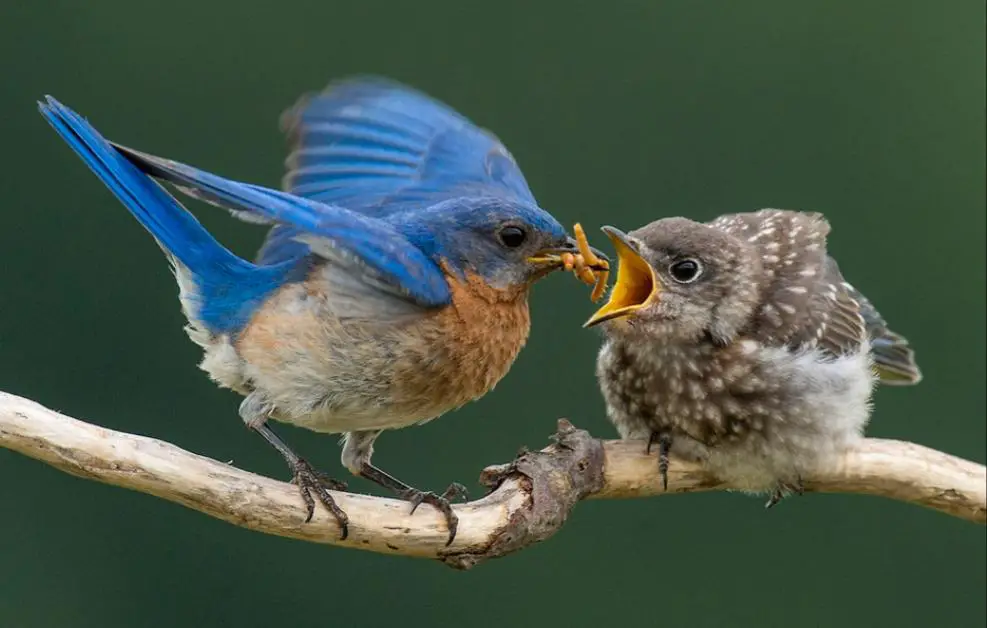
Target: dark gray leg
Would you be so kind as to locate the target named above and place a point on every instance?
(255, 413)
(664, 441)
(358, 449)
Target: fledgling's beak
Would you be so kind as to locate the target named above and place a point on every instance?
(637, 284)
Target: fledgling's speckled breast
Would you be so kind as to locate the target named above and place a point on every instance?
(754, 414)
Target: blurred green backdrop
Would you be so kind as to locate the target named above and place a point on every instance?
(620, 112)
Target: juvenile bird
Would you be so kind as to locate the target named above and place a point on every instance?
(739, 344)
(392, 288)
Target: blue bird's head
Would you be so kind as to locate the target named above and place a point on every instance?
(508, 244)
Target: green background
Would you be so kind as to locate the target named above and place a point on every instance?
(620, 112)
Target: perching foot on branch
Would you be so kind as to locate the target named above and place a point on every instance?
(531, 497)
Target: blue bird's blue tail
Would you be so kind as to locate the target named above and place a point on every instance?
(225, 289)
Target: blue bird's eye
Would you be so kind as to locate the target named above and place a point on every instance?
(512, 236)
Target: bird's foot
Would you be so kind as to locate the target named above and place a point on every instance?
(785, 489)
(324, 479)
(413, 495)
(441, 502)
(314, 484)
(308, 480)
(664, 442)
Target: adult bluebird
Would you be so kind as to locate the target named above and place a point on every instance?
(739, 343)
(392, 287)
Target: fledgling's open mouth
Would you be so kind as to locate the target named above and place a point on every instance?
(636, 287)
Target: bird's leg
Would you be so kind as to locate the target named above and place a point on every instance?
(255, 412)
(784, 489)
(664, 441)
(418, 497)
(357, 452)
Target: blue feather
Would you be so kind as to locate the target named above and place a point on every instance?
(229, 288)
(377, 146)
(386, 258)
(380, 147)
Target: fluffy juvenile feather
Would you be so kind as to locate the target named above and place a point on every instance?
(745, 349)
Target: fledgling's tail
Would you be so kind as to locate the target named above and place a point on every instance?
(219, 289)
(894, 359)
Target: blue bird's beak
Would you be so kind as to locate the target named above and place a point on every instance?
(554, 256)
(637, 285)
(589, 265)
(602, 262)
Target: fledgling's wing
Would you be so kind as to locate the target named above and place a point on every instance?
(373, 254)
(894, 359)
(374, 145)
(805, 302)
(835, 314)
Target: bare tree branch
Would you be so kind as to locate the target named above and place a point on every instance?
(531, 497)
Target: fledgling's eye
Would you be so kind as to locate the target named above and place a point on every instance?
(686, 270)
(512, 236)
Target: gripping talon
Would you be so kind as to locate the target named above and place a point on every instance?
(456, 490)
(325, 480)
(440, 503)
(663, 464)
(310, 481)
(783, 490)
(664, 441)
(652, 439)
(776, 497)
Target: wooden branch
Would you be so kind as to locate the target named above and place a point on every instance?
(530, 500)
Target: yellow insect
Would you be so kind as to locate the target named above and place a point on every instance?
(587, 267)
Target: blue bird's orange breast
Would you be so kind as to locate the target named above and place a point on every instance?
(333, 374)
(479, 337)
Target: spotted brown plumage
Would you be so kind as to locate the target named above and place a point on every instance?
(739, 343)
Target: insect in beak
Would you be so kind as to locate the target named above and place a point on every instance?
(590, 265)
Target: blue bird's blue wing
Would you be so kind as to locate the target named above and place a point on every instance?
(377, 146)
(226, 288)
(369, 248)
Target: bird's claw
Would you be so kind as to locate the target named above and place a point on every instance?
(664, 442)
(325, 480)
(783, 490)
(310, 481)
(441, 502)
